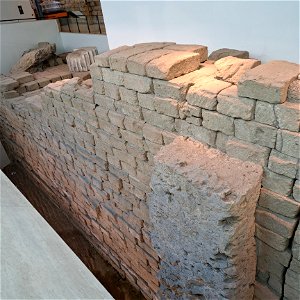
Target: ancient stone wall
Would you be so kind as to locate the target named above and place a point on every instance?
(94, 144)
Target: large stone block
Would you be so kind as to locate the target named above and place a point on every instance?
(111, 76)
(202, 50)
(265, 113)
(230, 104)
(293, 95)
(254, 132)
(166, 106)
(173, 65)
(204, 92)
(232, 68)
(268, 82)
(102, 60)
(223, 52)
(189, 182)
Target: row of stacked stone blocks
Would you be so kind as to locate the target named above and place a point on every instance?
(248, 110)
(142, 98)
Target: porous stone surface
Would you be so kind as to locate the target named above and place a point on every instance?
(294, 92)
(224, 52)
(268, 82)
(232, 68)
(189, 181)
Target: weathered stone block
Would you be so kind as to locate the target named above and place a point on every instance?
(112, 76)
(8, 84)
(277, 183)
(189, 182)
(129, 110)
(293, 95)
(288, 116)
(111, 91)
(159, 120)
(247, 151)
(138, 83)
(254, 132)
(278, 203)
(22, 77)
(152, 134)
(288, 143)
(230, 104)
(268, 82)
(167, 107)
(202, 50)
(283, 164)
(146, 101)
(137, 64)
(232, 68)
(173, 65)
(293, 280)
(218, 122)
(281, 225)
(220, 53)
(265, 113)
(96, 71)
(102, 60)
(204, 92)
(129, 96)
(274, 240)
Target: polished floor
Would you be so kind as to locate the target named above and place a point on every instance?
(118, 287)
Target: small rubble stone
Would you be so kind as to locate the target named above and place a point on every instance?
(268, 82)
(232, 68)
(220, 53)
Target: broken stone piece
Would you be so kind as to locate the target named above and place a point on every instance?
(232, 68)
(81, 59)
(268, 82)
(220, 53)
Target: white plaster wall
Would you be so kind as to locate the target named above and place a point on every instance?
(269, 30)
(71, 41)
(18, 37)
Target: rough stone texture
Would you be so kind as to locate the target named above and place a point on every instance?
(202, 50)
(294, 92)
(204, 92)
(33, 57)
(265, 113)
(288, 143)
(268, 82)
(189, 182)
(173, 65)
(288, 116)
(220, 53)
(80, 59)
(138, 83)
(102, 60)
(232, 68)
(230, 104)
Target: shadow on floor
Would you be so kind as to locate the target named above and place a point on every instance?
(118, 287)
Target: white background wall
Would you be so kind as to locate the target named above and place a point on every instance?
(268, 30)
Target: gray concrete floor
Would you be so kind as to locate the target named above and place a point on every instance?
(35, 262)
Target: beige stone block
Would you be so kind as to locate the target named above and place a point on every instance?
(31, 86)
(204, 92)
(277, 183)
(138, 83)
(116, 119)
(265, 113)
(146, 101)
(132, 138)
(102, 59)
(134, 125)
(230, 104)
(166, 106)
(279, 224)
(293, 95)
(202, 50)
(296, 193)
(8, 84)
(203, 134)
(288, 116)
(128, 110)
(111, 76)
(96, 71)
(152, 134)
(268, 82)
(232, 68)
(221, 141)
(159, 120)
(283, 164)
(288, 143)
(10, 94)
(173, 65)
(104, 102)
(137, 64)
(98, 86)
(278, 203)
(271, 238)
(111, 91)
(22, 77)
(42, 82)
(247, 151)
(218, 122)
(129, 96)
(254, 132)
(118, 61)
